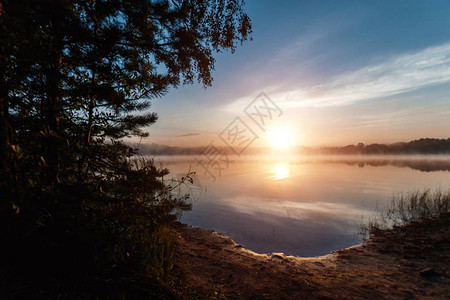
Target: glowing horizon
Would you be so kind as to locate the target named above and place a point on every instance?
(341, 76)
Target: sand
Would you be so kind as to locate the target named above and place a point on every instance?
(403, 263)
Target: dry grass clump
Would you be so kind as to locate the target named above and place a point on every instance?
(410, 207)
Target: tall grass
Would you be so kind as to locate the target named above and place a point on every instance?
(160, 253)
(410, 207)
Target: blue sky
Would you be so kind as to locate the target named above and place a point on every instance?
(342, 72)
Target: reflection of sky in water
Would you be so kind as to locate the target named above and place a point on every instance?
(303, 206)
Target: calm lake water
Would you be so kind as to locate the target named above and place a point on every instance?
(302, 205)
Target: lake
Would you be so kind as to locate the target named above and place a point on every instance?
(301, 205)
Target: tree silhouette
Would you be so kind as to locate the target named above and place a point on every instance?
(76, 77)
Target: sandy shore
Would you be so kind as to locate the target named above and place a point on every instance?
(403, 263)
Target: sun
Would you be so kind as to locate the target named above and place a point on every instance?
(280, 138)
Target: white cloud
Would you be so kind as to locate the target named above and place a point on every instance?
(395, 75)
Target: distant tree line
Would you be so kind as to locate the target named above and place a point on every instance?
(421, 146)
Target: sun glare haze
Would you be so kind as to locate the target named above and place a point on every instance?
(280, 138)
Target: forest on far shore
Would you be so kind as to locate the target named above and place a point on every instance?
(420, 146)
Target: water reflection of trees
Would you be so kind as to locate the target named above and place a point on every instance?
(426, 165)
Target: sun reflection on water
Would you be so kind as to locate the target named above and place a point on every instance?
(280, 171)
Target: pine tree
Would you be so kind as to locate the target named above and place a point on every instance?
(78, 76)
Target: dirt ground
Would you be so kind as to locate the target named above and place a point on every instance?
(409, 262)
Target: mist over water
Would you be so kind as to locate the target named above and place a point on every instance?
(302, 205)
